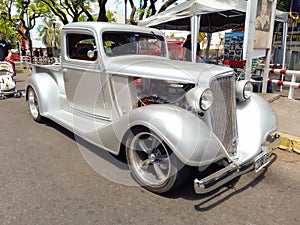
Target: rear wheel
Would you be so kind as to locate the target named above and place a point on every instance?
(34, 107)
(152, 163)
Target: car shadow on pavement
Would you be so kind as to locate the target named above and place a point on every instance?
(220, 195)
(59, 128)
(117, 161)
(208, 202)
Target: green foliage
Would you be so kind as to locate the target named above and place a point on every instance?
(50, 32)
(281, 4)
(111, 16)
(5, 25)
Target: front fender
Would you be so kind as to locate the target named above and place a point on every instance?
(47, 92)
(256, 120)
(187, 135)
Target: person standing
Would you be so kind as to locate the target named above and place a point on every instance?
(188, 47)
(6, 53)
(23, 51)
(5, 49)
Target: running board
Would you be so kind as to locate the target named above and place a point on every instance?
(84, 126)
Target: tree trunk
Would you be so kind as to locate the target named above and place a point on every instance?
(133, 10)
(102, 12)
(166, 5)
(152, 7)
(142, 9)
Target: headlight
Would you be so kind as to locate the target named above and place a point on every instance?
(244, 90)
(199, 98)
(206, 99)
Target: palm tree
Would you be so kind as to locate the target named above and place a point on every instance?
(50, 33)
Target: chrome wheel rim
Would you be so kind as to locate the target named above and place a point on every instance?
(150, 159)
(33, 104)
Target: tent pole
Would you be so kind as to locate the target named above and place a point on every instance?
(251, 9)
(195, 24)
(284, 39)
(267, 62)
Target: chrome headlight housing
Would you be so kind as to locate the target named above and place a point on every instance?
(206, 99)
(244, 89)
(200, 99)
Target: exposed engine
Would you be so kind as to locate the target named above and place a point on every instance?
(151, 91)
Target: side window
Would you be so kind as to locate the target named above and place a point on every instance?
(78, 46)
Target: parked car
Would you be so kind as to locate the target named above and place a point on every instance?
(167, 116)
(176, 50)
(15, 55)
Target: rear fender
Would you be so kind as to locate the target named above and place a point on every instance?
(47, 92)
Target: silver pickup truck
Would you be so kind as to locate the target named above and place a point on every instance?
(117, 88)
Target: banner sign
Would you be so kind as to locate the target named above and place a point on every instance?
(233, 46)
(262, 26)
(293, 34)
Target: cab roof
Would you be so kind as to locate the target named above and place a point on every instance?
(100, 26)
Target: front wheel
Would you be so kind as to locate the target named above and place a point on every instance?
(33, 105)
(153, 165)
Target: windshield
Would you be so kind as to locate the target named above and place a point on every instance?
(129, 43)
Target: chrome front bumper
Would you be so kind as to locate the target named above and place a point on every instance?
(231, 171)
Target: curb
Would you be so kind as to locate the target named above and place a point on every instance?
(24, 73)
(289, 142)
(269, 97)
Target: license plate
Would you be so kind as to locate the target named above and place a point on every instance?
(261, 161)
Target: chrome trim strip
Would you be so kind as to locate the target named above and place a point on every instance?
(89, 115)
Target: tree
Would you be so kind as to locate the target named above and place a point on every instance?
(27, 11)
(5, 25)
(110, 16)
(50, 32)
(75, 9)
(147, 8)
(282, 4)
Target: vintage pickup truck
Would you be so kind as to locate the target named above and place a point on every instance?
(117, 88)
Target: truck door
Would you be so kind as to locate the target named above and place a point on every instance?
(85, 81)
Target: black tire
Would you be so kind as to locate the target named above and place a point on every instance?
(17, 95)
(34, 106)
(152, 163)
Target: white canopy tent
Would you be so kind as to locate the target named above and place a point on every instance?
(216, 15)
(207, 16)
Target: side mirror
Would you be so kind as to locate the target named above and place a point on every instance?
(90, 54)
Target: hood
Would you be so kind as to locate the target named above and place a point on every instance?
(163, 69)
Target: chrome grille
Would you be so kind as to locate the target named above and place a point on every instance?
(223, 112)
